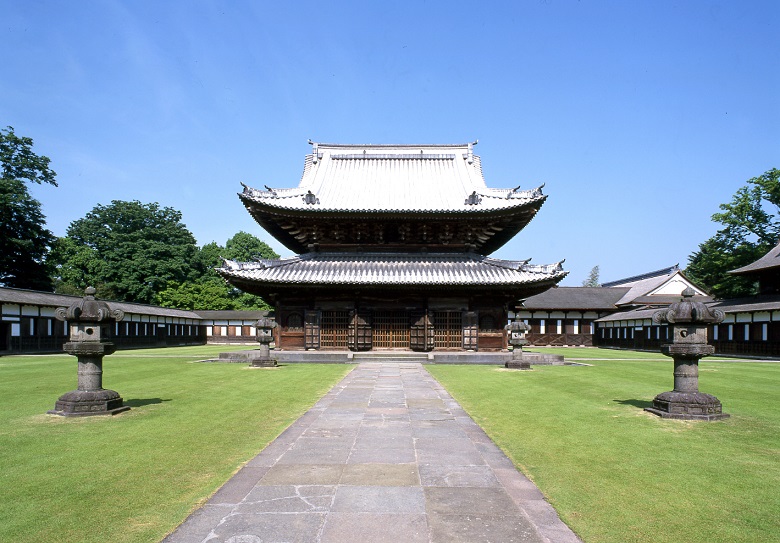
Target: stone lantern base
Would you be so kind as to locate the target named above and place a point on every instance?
(264, 363)
(687, 406)
(257, 358)
(87, 403)
(518, 363)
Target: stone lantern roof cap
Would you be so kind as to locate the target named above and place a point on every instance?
(265, 322)
(89, 310)
(517, 326)
(688, 311)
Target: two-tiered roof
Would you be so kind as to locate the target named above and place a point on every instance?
(376, 223)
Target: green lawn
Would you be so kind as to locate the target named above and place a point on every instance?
(617, 474)
(134, 477)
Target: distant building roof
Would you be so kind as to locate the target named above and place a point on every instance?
(393, 179)
(749, 304)
(34, 297)
(663, 272)
(240, 314)
(769, 261)
(657, 289)
(589, 298)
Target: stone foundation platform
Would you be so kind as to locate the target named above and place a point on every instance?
(85, 403)
(687, 406)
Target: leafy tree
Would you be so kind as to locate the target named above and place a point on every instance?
(751, 224)
(244, 247)
(211, 294)
(24, 239)
(593, 278)
(210, 291)
(128, 250)
(19, 162)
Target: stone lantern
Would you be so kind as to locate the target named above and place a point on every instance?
(89, 320)
(517, 330)
(265, 335)
(688, 321)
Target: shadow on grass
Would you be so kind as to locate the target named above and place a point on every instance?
(636, 403)
(140, 402)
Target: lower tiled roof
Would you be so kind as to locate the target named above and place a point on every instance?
(392, 269)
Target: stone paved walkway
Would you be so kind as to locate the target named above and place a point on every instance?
(386, 456)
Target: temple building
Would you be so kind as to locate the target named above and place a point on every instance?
(393, 245)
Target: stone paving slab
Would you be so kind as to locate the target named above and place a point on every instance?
(385, 456)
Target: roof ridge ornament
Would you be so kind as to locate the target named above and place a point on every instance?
(310, 198)
(469, 156)
(473, 199)
(315, 151)
(532, 193)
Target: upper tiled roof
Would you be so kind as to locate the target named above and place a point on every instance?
(393, 179)
(768, 261)
(392, 270)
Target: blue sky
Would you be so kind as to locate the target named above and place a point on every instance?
(640, 116)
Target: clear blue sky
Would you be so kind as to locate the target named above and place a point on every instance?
(640, 116)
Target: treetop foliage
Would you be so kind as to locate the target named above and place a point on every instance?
(129, 249)
(211, 291)
(24, 238)
(751, 226)
(19, 162)
(593, 278)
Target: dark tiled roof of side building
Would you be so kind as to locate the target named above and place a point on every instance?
(227, 314)
(50, 299)
(590, 298)
(768, 261)
(636, 278)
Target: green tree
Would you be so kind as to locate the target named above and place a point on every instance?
(127, 250)
(751, 224)
(24, 239)
(243, 247)
(593, 278)
(211, 294)
(209, 290)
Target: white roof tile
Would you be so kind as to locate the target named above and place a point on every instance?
(387, 178)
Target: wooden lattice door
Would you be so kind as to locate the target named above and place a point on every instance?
(448, 329)
(470, 330)
(391, 329)
(360, 337)
(421, 332)
(311, 329)
(334, 329)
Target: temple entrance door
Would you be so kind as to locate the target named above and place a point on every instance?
(448, 329)
(360, 331)
(421, 334)
(334, 329)
(391, 329)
